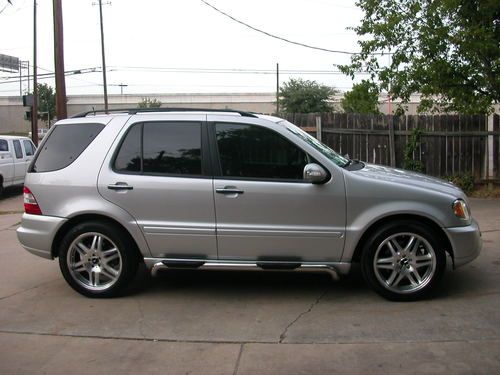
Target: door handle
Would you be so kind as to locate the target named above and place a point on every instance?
(229, 190)
(120, 186)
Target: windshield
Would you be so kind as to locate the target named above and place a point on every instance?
(324, 149)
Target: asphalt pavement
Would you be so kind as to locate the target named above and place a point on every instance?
(188, 322)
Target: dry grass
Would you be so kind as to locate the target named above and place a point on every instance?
(486, 192)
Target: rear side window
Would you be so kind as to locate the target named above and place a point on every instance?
(64, 145)
(165, 148)
(17, 149)
(4, 145)
(28, 148)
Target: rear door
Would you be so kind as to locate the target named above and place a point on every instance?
(264, 208)
(160, 174)
(19, 162)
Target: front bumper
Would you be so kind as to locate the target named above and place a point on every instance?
(466, 243)
(37, 233)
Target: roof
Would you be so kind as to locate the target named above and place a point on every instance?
(12, 137)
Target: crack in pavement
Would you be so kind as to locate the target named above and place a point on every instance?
(367, 342)
(284, 333)
(27, 290)
(237, 365)
(141, 319)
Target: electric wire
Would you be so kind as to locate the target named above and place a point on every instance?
(276, 36)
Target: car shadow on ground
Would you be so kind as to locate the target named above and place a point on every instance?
(11, 192)
(454, 284)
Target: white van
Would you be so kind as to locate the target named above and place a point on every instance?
(16, 154)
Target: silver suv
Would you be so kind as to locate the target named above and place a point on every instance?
(232, 190)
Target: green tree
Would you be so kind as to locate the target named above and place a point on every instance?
(149, 103)
(448, 50)
(363, 98)
(46, 101)
(304, 96)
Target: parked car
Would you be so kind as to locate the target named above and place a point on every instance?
(16, 154)
(42, 132)
(203, 189)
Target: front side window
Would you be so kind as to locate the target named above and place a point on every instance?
(17, 149)
(255, 152)
(167, 148)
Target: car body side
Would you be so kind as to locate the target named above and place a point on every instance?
(366, 202)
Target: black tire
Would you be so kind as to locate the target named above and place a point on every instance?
(397, 273)
(114, 265)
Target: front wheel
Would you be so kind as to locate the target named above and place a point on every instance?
(97, 259)
(403, 261)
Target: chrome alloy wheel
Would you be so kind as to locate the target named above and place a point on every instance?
(404, 263)
(94, 261)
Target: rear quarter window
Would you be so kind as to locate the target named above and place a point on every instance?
(64, 145)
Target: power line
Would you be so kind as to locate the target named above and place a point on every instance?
(276, 36)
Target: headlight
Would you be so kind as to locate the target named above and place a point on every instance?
(461, 210)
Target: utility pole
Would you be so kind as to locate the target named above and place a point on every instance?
(34, 108)
(103, 60)
(277, 88)
(61, 110)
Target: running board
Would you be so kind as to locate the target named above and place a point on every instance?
(333, 269)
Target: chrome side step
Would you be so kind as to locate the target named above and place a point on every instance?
(333, 269)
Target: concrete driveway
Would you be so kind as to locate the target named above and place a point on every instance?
(246, 323)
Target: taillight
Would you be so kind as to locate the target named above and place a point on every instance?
(30, 204)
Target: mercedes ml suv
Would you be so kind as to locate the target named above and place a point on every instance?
(196, 189)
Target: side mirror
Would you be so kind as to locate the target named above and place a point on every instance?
(314, 173)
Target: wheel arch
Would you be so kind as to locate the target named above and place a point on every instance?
(442, 237)
(84, 218)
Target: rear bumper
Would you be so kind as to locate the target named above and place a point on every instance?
(37, 233)
(466, 243)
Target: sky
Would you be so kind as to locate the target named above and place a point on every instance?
(155, 46)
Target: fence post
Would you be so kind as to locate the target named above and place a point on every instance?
(392, 147)
(489, 149)
(318, 128)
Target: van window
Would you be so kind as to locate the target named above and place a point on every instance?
(64, 146)
(17, 149)
(29, 148)
(4, 146)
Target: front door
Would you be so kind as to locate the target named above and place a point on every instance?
(264, 208)
(159, 177)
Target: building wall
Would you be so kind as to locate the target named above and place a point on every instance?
(12, 112)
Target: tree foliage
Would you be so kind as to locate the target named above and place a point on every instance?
(46, 101)
(363, 98)
(149, 103)
(304, 96)
(448, 50)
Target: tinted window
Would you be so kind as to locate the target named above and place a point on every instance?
(3, 145)
(167, 148)
(64, 145)
(18, 150)
(172, 148)
(256, 152)
(129, 156)
(29, 148)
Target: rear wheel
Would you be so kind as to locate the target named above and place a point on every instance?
(403, 261)
(97, 259)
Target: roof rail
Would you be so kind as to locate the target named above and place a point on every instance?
(134, 111)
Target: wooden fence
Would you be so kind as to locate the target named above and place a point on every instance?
(449, 144)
